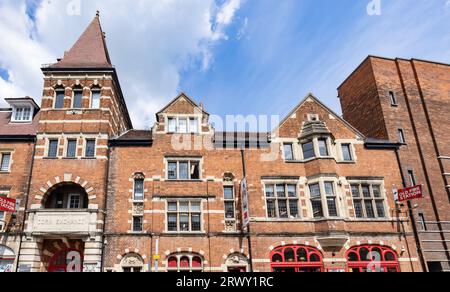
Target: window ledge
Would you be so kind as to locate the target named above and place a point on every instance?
(5, 172)
(184, 233)
(310, 159)
(184, 180)
(21, 122)
(137, 232)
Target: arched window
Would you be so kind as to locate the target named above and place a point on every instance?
(66, 196)
(296, 258)
(138, 187)
(7, 257)
(372, 258)
(185, 262)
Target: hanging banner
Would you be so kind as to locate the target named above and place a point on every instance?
(7, 205)
(409, 194)
(245, 209)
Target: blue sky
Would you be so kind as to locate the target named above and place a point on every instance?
(296, 47)
(236, 56)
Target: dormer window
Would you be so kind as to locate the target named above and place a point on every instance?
(183, 125)
(22, 114)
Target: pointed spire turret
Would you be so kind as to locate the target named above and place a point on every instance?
(89, 51)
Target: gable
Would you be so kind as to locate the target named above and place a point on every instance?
(291, 126)
(181, 105)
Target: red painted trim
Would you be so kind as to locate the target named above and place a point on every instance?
(363, 264)
(295, 263)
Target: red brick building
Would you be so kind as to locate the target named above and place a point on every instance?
(102, 196)
(406, 101)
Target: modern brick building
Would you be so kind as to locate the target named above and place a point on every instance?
(406, 101)
(95, 191)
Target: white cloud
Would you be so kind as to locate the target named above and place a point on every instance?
(150, 43)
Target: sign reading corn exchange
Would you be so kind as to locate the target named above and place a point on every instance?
(54, 222)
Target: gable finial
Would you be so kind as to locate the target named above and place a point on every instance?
(97, 14)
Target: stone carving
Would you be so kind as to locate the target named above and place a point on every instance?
(230, 225)
(237, 260)
(132, 261)
(56, 222)
(138, 208)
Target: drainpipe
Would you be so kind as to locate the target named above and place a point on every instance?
(105, 209)
(26, 204)
(411, 215)
(244, 171)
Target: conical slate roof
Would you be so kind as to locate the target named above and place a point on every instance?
(89, 51)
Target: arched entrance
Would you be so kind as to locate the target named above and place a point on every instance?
(61, 256)
(7, 258)
(66, 196)
(372, 258)
(66, 261)
(296, 258)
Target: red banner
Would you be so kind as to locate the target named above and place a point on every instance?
(8, 205)
(411, 193)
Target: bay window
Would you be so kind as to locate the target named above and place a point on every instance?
(308, 150)
(323, 199)
(323, 147)
(282, 201)
(184, 216)
(316, 201)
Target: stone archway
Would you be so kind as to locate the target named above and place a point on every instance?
(66, 179)
(66, 195)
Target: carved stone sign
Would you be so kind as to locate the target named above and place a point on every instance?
(54, 222)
